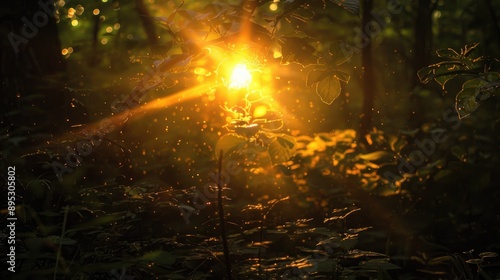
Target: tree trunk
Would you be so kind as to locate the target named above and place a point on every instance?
(421, 58)
(147, 22)
(367, 73)
(32, 66)
(423, 37)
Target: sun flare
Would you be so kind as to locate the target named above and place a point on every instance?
(240, 77)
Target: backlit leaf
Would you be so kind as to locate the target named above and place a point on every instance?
(228, 143)
(376, 156)
(341, 75)
(472, 93)
(316, 75)
(297, 50)
(158, 257)
(449, 53)
(328, 89)
(488, 255)
(469, 48)
(382, 263)
(282, 148)
(440, 72)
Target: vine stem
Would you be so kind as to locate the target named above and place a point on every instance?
(223, 220)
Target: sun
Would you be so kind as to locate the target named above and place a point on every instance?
(240, 77)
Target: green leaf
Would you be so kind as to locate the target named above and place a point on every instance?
(315, 76)
(228, 143)
(337, 55)
(442, 80)
(287, 141)
(158, 257)
(382, 263)
(492, 76)
(425, 74)
(438, 72)
(473, 92)
(341, 75)
(297, 50)
(488, 255)
(282, 148)
(328, 89)
(469, 48)
(475, 261)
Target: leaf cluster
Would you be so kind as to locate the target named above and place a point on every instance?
(482, 83)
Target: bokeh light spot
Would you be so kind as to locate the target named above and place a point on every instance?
(71, 12)
(259, 112)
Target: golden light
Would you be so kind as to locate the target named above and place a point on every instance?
(240, 77)
(71, 12)
(260, 112)
(79, 10)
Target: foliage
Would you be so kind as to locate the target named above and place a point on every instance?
(256, 130)
(483, 84)
(221, 30)
(320, 205)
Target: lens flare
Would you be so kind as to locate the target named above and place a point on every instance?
(240, 77)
